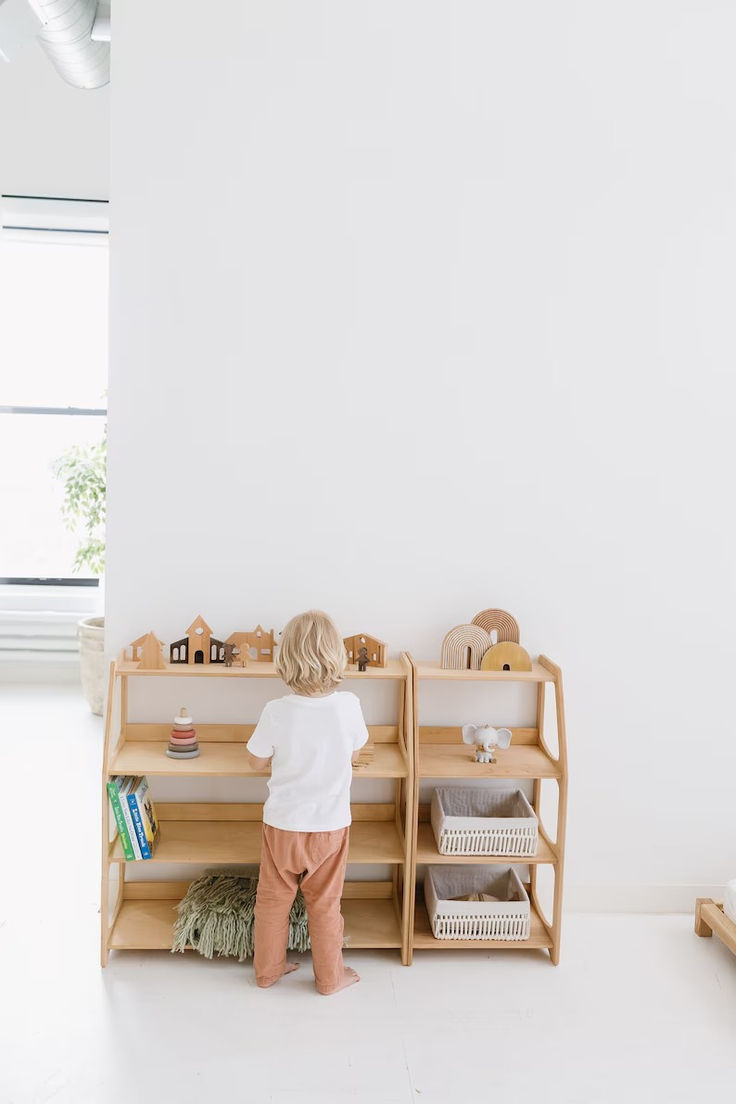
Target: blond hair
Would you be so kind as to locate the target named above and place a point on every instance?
(312, 656)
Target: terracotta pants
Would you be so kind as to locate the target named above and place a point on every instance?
(320, 857)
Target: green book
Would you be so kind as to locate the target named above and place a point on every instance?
(113, 791)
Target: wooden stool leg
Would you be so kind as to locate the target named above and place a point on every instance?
(701, 928)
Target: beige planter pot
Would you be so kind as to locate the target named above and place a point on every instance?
(91, 634)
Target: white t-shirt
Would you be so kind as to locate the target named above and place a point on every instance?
(312, 741)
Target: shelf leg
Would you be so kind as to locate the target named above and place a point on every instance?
(407, 880)
(556, 926)
(701, 928)
(412, 812)
(561, 820)
(105, 874)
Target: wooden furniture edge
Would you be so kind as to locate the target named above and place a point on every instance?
(174, 890)
(410, 890)
(406, 788)
(105, 925)
(710, 918)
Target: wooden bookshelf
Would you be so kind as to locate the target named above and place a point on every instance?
(143, 912)
(395, 833)
(440, 754)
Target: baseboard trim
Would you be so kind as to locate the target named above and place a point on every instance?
(637, 898)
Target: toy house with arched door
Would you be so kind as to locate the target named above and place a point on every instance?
(257, 645)
(198, 646)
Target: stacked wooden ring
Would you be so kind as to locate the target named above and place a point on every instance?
(183, 739)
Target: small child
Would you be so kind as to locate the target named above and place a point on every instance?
(311, 737)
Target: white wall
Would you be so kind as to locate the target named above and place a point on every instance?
(54, 139)
(421, 307)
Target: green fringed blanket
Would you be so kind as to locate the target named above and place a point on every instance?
(216, 917)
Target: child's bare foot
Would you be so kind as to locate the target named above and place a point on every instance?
(349, 978)
(289, 968)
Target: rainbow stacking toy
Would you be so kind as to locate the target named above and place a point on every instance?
(183, 739)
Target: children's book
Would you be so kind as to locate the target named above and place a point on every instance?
(149, 809)
(125, 783)
(113, 789)
(144, 817)
(148, 813)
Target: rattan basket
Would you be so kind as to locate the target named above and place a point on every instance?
(469, 821)
(506, 919)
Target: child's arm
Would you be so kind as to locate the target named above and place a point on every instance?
(359, 731)
(260, 748)
(256, 762)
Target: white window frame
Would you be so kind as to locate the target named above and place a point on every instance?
(38, 622)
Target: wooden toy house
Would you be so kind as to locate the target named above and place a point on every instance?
(257, 645)
(198, 646)
(377, 650)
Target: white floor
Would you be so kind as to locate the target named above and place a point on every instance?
(639, 1011)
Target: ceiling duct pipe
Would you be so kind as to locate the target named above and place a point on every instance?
(66, 36)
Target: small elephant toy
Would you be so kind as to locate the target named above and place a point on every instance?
(486, 739)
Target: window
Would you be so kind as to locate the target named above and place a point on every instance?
(53, 379)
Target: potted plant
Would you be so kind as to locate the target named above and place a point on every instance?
(83, 473)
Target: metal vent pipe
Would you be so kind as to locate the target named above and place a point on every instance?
(66, 38)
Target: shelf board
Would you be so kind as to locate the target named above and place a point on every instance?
(149, 757)
(433, 670)
(196, 841)
(147, 924)
(425, 941)
(394, 669)
(456, 761)
(427, 853)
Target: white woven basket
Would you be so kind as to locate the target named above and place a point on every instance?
(483, 822)
(508, 919)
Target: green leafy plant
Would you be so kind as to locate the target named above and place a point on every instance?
(84, 474)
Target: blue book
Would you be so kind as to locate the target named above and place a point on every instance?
(113, 789)
(125, 783)
(137, 813)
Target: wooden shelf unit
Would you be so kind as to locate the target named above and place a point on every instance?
(376, 913)
(440, 754)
